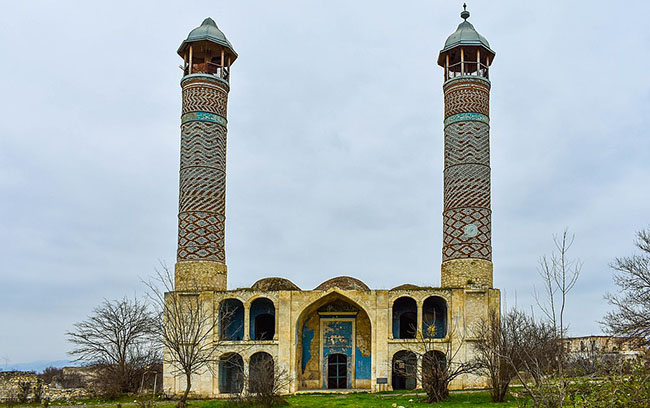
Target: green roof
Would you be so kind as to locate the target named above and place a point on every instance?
(207, 31)
(465, 34)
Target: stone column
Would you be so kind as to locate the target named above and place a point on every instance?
(247, 321)
(420, 312)
(277, 319)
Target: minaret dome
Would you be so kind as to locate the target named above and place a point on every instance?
(207, 51)
(466, 52)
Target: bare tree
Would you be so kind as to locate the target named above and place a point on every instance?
(559, 275)
(188, 329)
(119, 337)
(441, 363)
(535, 355)
(497, 354)
(264, 382)
(631, 314)
(515, 345)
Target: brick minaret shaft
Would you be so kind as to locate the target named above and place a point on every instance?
(467, 229)
(201, 257)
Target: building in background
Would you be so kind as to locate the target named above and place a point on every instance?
(616, 348)
(341, 334)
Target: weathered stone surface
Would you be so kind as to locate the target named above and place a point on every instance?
(12, 382)
(343, 282)
(274, 284)
(200, 275)
(461, 273)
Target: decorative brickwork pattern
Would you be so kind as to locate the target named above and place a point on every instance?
(467, 216)
(202, 196)
(457, 244)
(203, 96)
(466, 143)
(467, 186)
(467, 94)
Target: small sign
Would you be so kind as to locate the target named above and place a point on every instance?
(382, 380)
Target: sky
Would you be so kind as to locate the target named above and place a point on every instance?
(335, 147)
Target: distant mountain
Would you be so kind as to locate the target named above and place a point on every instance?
(37, 366)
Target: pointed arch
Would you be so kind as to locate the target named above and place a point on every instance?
(337, 310)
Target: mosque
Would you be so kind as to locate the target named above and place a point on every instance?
(341, 334)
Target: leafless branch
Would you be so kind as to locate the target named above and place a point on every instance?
(631, 314)
(188, 328)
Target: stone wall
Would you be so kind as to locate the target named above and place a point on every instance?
(13, 385)
(296, 351)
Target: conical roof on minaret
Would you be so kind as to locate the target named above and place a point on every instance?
(207, 31)
(465, 35)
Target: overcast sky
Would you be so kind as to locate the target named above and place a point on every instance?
(334, 146)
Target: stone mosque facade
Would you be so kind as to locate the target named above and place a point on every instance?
(341, 334)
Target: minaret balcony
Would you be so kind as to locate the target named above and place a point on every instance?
(468, 69)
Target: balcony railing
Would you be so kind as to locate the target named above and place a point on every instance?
(209, 68)
(472, 68)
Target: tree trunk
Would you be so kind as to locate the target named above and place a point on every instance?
(183, 402)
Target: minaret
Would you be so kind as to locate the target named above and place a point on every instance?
(467, 246)
(201, 257)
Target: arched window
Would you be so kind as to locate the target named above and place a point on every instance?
(404, 370)
(404, 318)
(231, 378)
(261, 373)
(231, 319)
(262, 319)
(434, 317)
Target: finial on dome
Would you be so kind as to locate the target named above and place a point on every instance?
(464, 14)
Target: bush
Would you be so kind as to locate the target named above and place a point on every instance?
(596, 364)
(51, 374)
(71, 381)
(23, 391)
(38, 391)
(11, 400)
(614, 391)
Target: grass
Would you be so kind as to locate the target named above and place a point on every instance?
(354, 400)
(379, 400)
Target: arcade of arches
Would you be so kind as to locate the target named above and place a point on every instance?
(337, 338)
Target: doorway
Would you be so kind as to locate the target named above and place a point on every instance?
(337, 371)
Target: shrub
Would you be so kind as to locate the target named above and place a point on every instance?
(72, 381)
(51, 374)
(614, 391)
(38, 391)
(23, 391)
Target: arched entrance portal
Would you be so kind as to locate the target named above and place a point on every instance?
(334, 344)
